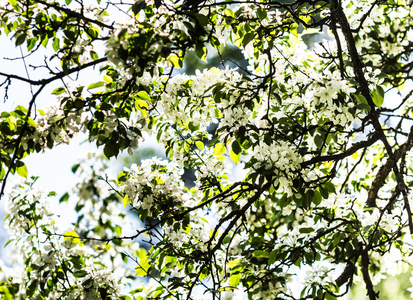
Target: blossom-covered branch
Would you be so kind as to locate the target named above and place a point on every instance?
(300, 153)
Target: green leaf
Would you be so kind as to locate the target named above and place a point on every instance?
(176, 61)
(94, 55)
(236, 147)
(378, 96)
(229, 13)
(187, 146)
(142, 106)
(318, 141)
(323, 192)
(20, 39)
(21, 109)
(45, 41)
(317, 197)
(71, 35)
(123, 176)
(92, 32)
(71, 236)
(219, 149)
(233, 263)
(32, 288)
(7, 127)
(9, 241)
(143, 268)
(202, 19)
(75, 167)
(260, 253)
(31, 122)
(330, 187)
(13, 2)
(247, 38)
(64, 198)
(95, 85)
(201, 51)
(31, 43)
(111, 149)
(293, 29)
(2, 172)
(204, 273)
(55, 44)
(200, 145)
(192, 127)
(272, 257)
(361, 99)
(330, 297)
(58, 91)
(235, 279)
(107, 79)
(138, 6)
(306, 229)
(22, 170)
(262, 13)
(144, 95)
(80, 273)
(126, 200)
(235, 157)
(364, 106)
(380, 91)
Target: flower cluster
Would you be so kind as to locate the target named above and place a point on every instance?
(154, 184)
(52, 127)
(281, 159)
(33, 225)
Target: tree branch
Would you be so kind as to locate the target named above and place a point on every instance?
(337, 15)
(334, 157)
(385, 170)
(72, 13)
(365, 261)
(57, 76)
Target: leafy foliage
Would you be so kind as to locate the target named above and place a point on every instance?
(320, 141)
